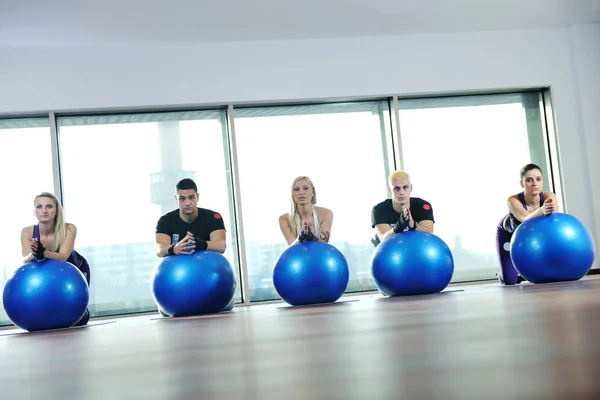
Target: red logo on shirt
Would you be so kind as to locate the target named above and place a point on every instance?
(426, 207)
(217, 216)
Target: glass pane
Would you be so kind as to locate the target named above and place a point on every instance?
(342, 148)
(26, 164)
(119, 175)
(464, 155)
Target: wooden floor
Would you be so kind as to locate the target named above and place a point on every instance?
(472, 342)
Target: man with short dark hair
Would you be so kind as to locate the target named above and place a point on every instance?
(189, 228)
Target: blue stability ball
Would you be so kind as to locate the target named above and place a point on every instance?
(310, 273)
(193, 284)
(51, 294)
(410, 263)
(552, 248)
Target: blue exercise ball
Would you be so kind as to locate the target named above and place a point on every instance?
(310, 273)
(193, 284)
(552, 248)
(51, 294)
(411, 263)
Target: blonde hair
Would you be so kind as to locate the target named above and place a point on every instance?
(60, 227)
(294, 217)
(398, 174)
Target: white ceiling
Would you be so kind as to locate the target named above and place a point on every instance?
(70, 22)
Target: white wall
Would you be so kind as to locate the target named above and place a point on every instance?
(585, 47)
(120, 76)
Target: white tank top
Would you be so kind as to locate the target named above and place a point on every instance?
(317, 231)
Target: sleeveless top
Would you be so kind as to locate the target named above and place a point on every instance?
(317, 231)
(74, 258)
(513, 222)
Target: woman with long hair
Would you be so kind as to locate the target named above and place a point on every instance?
(52, 238)
(305, 221)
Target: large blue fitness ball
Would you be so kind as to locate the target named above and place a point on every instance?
(310, 273)
(411, 263)
(193, 284)
(51, 294)
(552, 248)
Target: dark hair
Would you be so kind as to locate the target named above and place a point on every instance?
(528, 168)
(187, 184)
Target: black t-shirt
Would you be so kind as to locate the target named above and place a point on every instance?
(171, 224)
(384, 213)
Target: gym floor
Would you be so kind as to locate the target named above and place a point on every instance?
(468, 342)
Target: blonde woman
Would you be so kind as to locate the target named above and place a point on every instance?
(52, 238)
(305, 222)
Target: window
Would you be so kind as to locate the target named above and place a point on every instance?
(26, 163)
(343, 148)
(119, 174)
(464, 155)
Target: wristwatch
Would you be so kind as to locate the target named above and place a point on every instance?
(414, 227)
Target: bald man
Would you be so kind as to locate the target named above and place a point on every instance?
(401, 213)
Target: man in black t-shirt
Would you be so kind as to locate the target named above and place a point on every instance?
(189, 228)
(401, 212)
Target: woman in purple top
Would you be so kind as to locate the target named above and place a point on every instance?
(52, 238)
(532, 202)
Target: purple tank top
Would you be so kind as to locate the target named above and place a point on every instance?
(513, 222)
(522, 198)
(73, 258)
